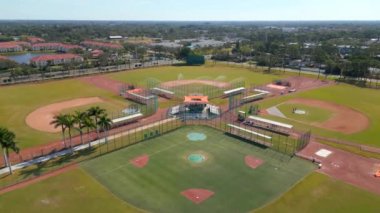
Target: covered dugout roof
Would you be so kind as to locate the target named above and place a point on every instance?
(287, 126)
(196, 99)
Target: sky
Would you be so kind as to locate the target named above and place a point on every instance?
(190, 10)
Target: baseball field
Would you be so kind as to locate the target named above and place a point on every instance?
(123, 181)
(361, 102)
(196, 168)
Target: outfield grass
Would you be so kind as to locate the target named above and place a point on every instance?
(113, 108)
(157, 186)
(20, 100)
(319, 193)
(366, 101)
(211, 72)
(313, 114)
(73, 191)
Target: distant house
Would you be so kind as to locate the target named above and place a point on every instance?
(167, 44)
(374, 70)
(344, 49)
(103, 45)
(34, 40)
(54, 46)
(55, 59)
(296, 63)
(96, 53)
(3, 58)
(10, 47)
(116, 37)
(206, 43)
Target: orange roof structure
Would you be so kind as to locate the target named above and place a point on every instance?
(3, 58)
(98, 44)
(55, 57)
(137, 90)
(377, 174)
(196, 99)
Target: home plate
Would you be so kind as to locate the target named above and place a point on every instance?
(323, 153)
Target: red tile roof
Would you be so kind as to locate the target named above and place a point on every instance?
(35, 39)
(54, 44)
(54, 57)
(47, 45)
(102, 44)
(71, 46)
(10, 44)
(3, 58)
(97, 53)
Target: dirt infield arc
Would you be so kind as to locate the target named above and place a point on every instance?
(186, 82)
(40, 119)
(345, 119)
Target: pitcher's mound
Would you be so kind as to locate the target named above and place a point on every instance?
(197, 196)
(140, 161)
(253, 162)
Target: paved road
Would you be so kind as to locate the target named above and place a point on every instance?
(83, 72)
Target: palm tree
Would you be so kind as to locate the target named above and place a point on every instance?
(7, 141)
(79, 118)
(89, 124)
(96, 112)
(69, 123)
(59, 121)
(105, 124)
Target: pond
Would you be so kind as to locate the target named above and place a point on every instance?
(25, 58)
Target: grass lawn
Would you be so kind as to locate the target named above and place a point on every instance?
(212, 72)
(157, 186)
(366, 101)
(313, 114)
(319, 193)
(73, 191)
(20, 100)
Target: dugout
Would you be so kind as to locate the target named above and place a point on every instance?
(268, 125)
(165, 93)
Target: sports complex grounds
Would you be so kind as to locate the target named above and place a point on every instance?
(212, 138)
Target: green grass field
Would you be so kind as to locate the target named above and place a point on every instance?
(366, 101)
(157, 186)
(110, 184)
(73, 191)
(319, 193)
(212, 72)
(113, 108)
(313, 114)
